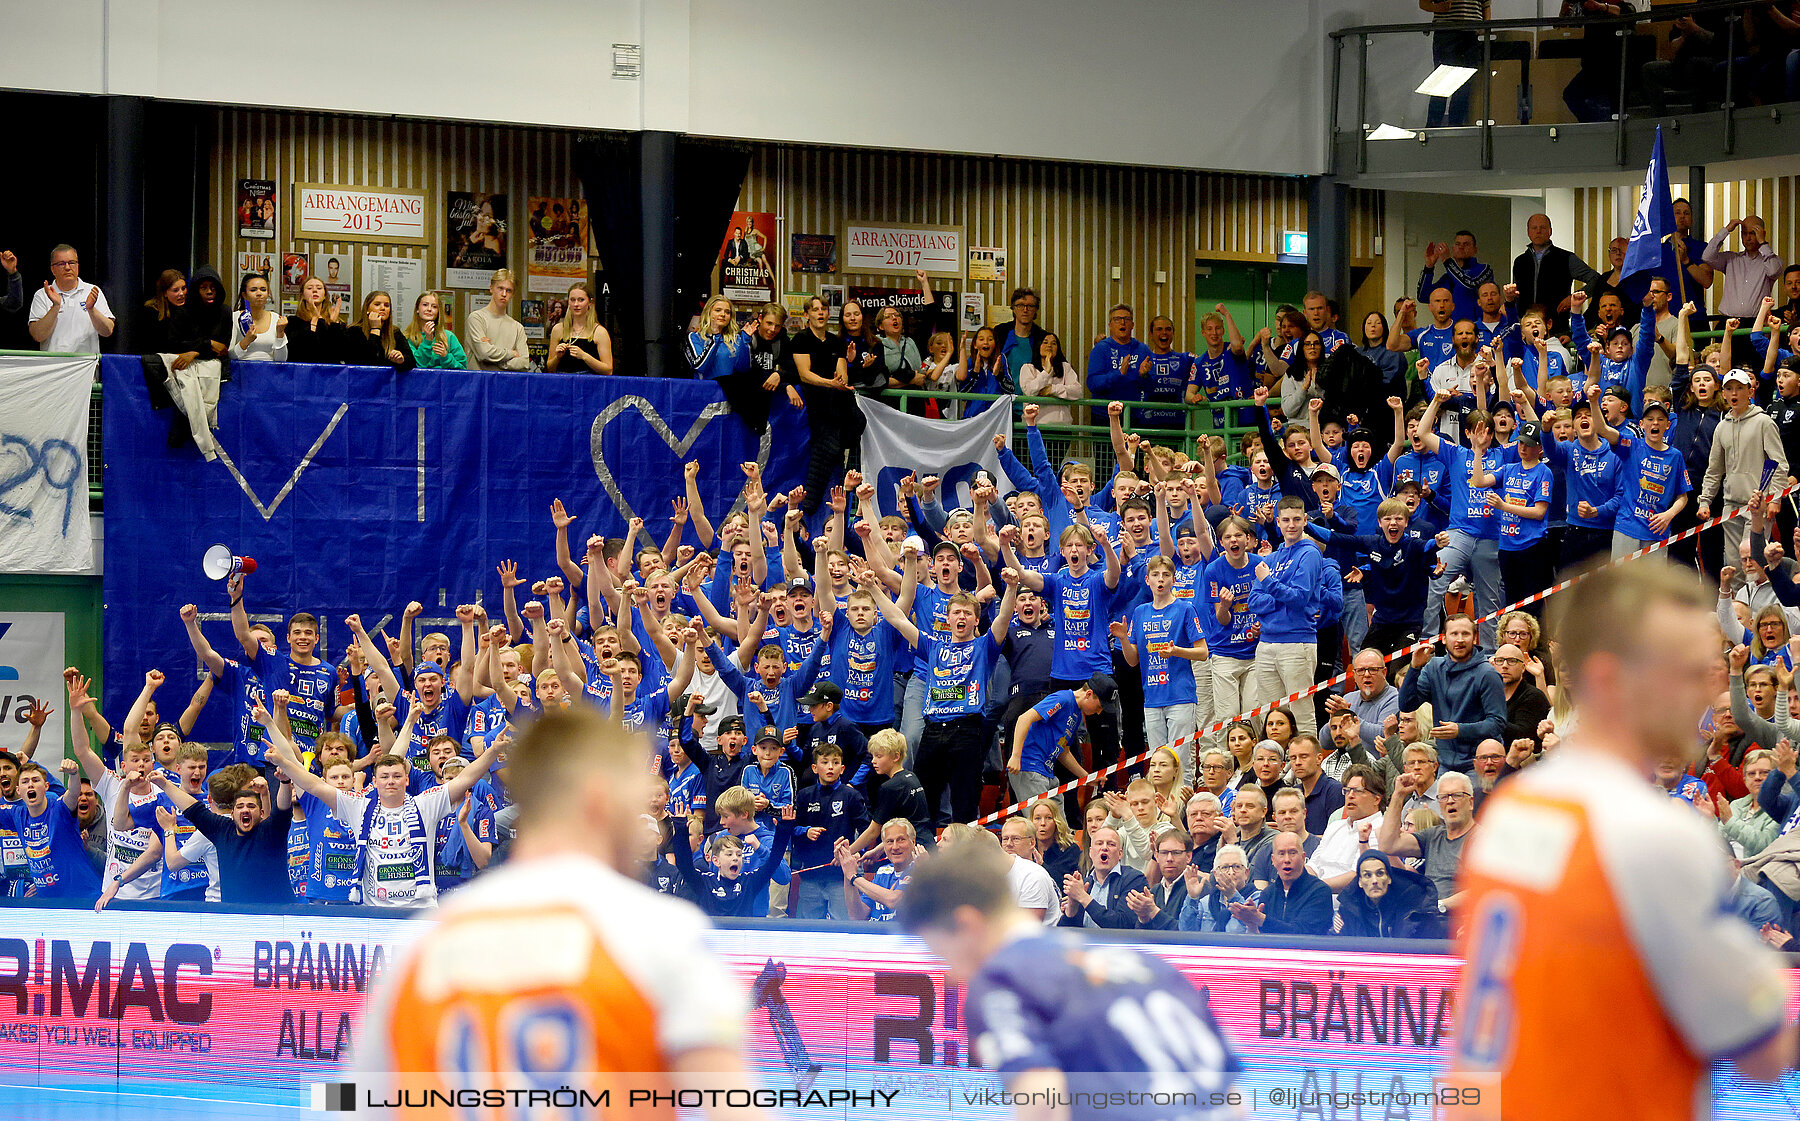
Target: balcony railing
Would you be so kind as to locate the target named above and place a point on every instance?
(1413, 82)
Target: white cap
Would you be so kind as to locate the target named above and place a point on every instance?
(914, 542)
(1741, 377)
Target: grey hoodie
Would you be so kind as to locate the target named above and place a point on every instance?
(1740, 445)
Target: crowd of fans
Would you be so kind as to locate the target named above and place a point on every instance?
(831, 697)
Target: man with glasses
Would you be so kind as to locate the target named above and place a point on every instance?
(1374, 702)
(1118, 367)
(1749, 275)
(1021, 339)
(1215, 908)
(1526, 704)
(1440, 845)
(1159, 907)
(69, 315)
(1353, 833)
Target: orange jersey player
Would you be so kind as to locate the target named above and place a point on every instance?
(1603, 967)
(558, 965)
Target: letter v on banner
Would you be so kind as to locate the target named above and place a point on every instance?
(1655, 218)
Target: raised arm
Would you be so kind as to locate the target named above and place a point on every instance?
(378, 662)
(869, 582)
(212, 659)
(240, 619)
(408, 646)
(565, 564)
(703, 529)
(457, 788)
(134, 719)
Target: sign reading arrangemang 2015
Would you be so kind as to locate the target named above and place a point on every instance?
(357, 490)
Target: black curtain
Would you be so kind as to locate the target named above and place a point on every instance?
(705, 180)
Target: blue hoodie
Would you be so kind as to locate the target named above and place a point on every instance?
(1468, 694)
(1284, 601)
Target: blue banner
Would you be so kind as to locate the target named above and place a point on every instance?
(358, 490)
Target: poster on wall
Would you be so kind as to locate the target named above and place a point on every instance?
(256, 209)
(987, 263)
(903, 248)
(294, 271)
(814, 253)
(795, 302)
(531, 317)
(335, 269)
(474, 238)
(745, 272)
(834, 295)
(974, 306)
(402, 278)
(31, 650)
(556, 250)
(253, 261)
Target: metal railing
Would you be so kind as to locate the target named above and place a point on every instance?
(1208, 418)
(1480, 46)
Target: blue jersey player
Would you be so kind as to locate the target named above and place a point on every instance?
(1065, 1023)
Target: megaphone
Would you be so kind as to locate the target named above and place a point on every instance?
(219, 563)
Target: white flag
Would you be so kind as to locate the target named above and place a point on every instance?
(953, 450)
(44, 524)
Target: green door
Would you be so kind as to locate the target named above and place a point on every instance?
(1250, 290)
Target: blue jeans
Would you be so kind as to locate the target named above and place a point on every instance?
(1478, 558)
(912, 714)
(1355, 621)
(820, 896)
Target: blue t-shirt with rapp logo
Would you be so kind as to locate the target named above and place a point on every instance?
(956, 681)
(53, 849)
(1058, 725)
(310, 690)
(1469, 509)
(1649, 482)
(1523, 486)
(863, 667)
(1167, 680)
(1078, 617)
(1231, 641)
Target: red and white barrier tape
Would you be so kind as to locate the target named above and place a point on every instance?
(1405, 651)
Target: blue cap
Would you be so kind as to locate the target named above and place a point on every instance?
(429, 667)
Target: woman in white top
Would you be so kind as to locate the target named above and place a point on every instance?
(1051, 375)
(258, 334)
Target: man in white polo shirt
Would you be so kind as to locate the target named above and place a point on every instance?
(69, 316)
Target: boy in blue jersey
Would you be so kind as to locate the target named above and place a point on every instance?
(1522, 495)
(1063, 492)
(1080, 598)
(956, 668)
(310, 682)
(1162, 640)
(1653, 480)
(1045, 736)
(1282, 598)
(54, 852)
(1081, 1025)
(647, 710)
(440, 711)
(1167, 380)
(769, 780)
(326, 846)
(1614, 359)
(242, 687)
(1222, 371)
(830, 810)
(1233, 629)
(1471, 545)
(1398, 564)
(1415, 465)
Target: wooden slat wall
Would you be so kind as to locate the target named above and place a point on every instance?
(433, 156)
(1064, 226)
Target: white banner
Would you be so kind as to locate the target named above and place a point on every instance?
(949, 449)
(31, 664)
(44, 523)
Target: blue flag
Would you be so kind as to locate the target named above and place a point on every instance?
(1655, 219)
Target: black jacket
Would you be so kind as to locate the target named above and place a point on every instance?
(1115, 915)
(1169, 899)
(1408, 910)
(1303, 909)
